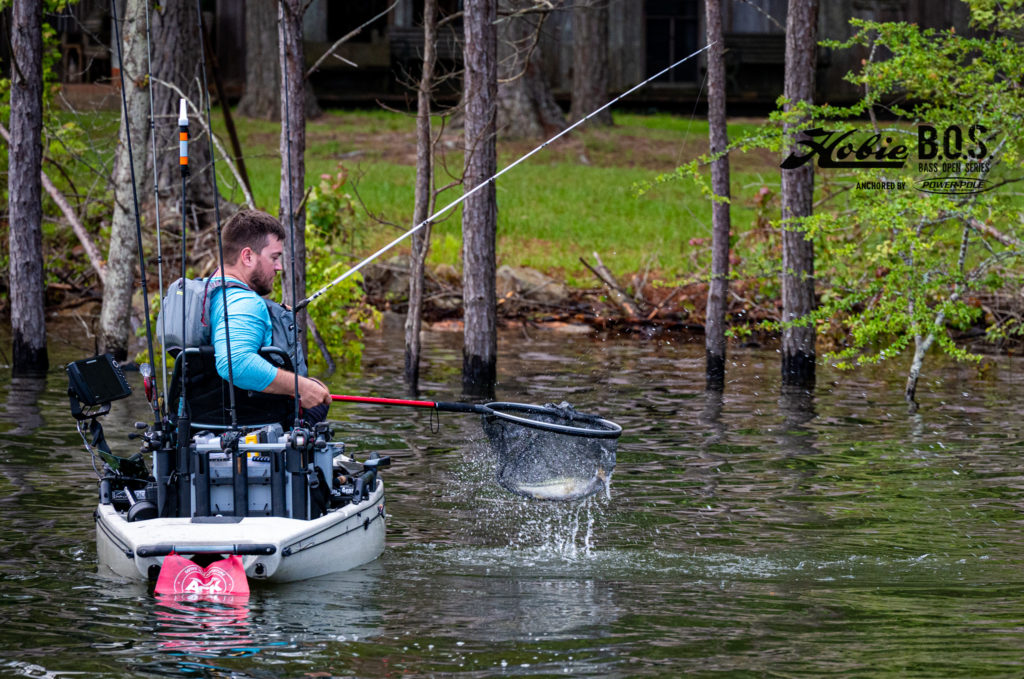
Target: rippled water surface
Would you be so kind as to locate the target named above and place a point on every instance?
(755, 534)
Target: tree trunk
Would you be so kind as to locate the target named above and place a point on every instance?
(122, 258)
(526, 107)
(590, 61)
(480, 211)
(25, 198)
(714, 338)
(424, 189)
(262, 96)
(175, 43)
(798, 353)
(293, 155)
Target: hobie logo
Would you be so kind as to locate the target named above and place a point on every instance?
(840, 149)
(956, 153)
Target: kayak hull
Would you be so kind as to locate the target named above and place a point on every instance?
(273, 549)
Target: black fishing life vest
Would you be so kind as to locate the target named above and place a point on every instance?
(195, 296)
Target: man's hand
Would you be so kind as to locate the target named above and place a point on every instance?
(312, 392)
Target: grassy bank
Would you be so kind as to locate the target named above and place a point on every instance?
(573, 198)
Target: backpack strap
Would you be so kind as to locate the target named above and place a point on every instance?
(206, 292)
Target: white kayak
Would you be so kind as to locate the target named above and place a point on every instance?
(273, 549)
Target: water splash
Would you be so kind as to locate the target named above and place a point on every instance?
(533, 529)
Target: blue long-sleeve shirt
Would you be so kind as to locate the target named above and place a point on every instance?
(250, 330)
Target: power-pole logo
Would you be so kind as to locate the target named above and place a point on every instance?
(954, 156)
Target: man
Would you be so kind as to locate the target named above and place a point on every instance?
(253, 249)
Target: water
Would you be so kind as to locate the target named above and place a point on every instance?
(753, 535)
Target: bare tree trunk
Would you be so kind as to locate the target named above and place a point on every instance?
(590, 60)
(798, 353)
(526, 107)
(424, 189)
(480, 211)
(115, 317)
(262, 96)
(25, 198)
(714, 338)
(175, 43)
(293, 155)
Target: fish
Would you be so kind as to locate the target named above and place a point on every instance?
(562, 488)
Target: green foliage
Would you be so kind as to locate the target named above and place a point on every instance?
(898, 267)
(332, 238)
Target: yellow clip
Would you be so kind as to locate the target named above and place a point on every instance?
(252, 438)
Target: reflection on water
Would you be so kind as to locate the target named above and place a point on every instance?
(747, 532)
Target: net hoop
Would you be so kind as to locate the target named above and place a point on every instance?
(603, 429)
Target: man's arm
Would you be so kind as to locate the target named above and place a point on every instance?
(311, 392)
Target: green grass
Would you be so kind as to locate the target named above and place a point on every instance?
(569, 200)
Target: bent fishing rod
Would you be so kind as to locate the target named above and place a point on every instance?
(432, 218)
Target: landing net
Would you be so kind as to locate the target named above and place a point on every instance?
(551, 452)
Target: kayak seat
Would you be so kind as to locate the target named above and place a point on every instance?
(207, 401)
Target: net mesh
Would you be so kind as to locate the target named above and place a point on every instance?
(552, 452)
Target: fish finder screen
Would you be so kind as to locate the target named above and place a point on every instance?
(97, 380)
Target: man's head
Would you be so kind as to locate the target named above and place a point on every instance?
(253, 246)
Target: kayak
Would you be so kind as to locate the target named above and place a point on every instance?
(272, 549)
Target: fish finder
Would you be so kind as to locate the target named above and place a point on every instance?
(96, 381)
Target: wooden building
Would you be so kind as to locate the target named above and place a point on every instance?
(644, 36)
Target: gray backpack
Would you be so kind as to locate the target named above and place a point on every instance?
(194, 295)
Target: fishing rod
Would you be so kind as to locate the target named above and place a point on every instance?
(432, 218)
(154, 402)
(216, 215)
(162, 330)
(183, 425)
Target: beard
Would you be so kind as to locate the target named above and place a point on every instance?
(262, 281)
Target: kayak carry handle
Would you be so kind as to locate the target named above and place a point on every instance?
(241, 550)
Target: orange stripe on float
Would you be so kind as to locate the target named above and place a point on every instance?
(183, 136)
(182, 160)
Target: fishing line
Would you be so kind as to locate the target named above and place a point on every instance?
(216, 216)
(482, 184)
(135, 198)
(156, 209)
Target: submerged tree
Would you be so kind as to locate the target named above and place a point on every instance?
(25, 206)
(798, 351)
(714, 331)
(423, 200)
(293, 155)
(480, 211)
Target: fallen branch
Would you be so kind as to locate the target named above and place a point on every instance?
(662, 303)
(91, 250)
(618, 295)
